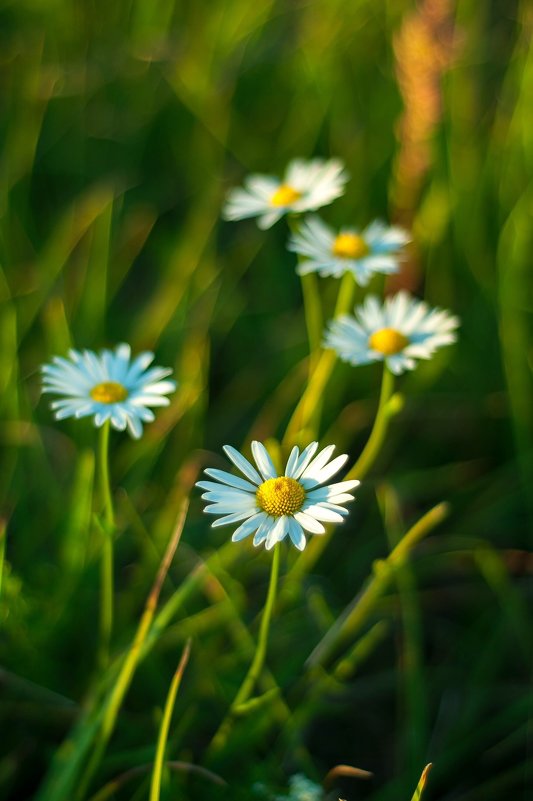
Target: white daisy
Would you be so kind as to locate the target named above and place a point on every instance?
(109, 385)
(307, 186)
(273, 506)
(374, 250)
(398, 331)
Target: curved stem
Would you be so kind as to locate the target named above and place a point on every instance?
(373, 446)
(106, 564)
(155, 785)
(258, 661)
(361, 467)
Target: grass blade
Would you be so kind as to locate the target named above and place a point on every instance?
(155, 788)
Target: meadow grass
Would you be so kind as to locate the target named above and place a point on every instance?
(400, 638)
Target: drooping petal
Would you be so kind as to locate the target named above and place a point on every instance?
(248, 527)
(296, 534)
(277, 532)
(309, 523)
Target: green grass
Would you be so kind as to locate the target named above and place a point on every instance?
(122, 126)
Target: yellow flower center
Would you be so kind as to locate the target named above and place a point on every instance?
(350, 246)
(109, 392)
(388, 341)
(285, 195)
(280, 496)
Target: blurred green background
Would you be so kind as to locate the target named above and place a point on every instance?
(123, 124)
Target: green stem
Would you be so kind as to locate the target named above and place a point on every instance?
(250, 680)
(354, 617)
(3, 528)
(370, 452)
(106, 564)
(346, 294)
(307, 409)
(377, 435)
(313, 314)
(312, 303)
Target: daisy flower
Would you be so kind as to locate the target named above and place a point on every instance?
(398, 331)
(109, 385)
(307, 186)
(374, 250)
(273, 506)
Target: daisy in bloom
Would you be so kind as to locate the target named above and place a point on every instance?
(398, 331)
(374, 250)
(273, 506)
(109, 385)
(307, 186)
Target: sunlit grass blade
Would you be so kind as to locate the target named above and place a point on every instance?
(79, 756)
(155, 787)
(417, 795)
(109, 790)
(131, 661)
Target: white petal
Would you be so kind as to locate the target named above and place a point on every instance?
(227, 495)
(335, 507)
(292, 462)
(101, 416)
(227, 520)
(309, 523)
(263, 460)
(343, 486)
(276, 533)
(267, 220)
(144, 399)
(318, 462)
(263, 531)
(243, 464)
(231, 480)
(321, 513)
(324, 473)
(248, 527)
(214, 486)
(223, 508)
(134, 426)
(296, 534)
(119, 419)
(305, 457)
(159, 387)
(338, 499)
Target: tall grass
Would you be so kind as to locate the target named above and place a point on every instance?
(123, 124)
